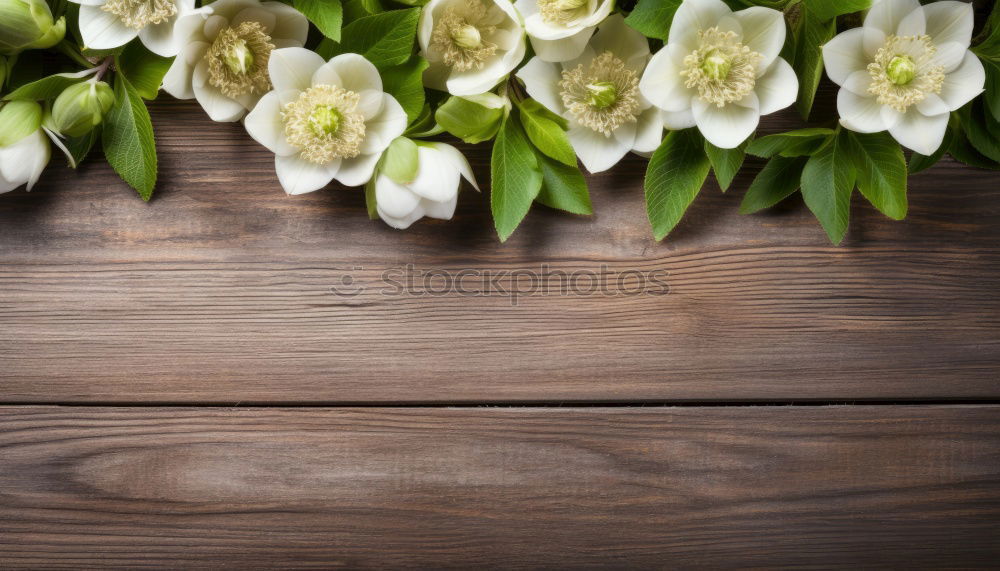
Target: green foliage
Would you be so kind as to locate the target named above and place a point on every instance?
(546, 131)
(778, 180)
(400, 161)
(326, 15)
(46, 88)
(404, 82)
(128, 139)
(79, 147)
(826, 10)
(674, 177)
(809, 32)
(563, 187)
(767, 147)
(385, 39)
(652, 18)
(143, 69)
(473, 119)
(827, 183)
(881, 171)
(726, 162)
(516, 177)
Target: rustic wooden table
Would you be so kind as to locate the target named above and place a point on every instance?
(185, 383)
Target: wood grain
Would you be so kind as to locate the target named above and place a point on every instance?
(219, 291)
(909, 487)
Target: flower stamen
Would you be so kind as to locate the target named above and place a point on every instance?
(137, 14)
(461, 36)
(562, 12)
(237, 60)
(603, 96)
(324, 124)
(722, 69)
(903, 71)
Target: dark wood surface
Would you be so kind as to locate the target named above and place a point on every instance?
(160, 323)
(550, 488)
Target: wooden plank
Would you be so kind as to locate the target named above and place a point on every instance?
(913, 486)
(219, 290)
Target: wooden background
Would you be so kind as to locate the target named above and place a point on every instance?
(181, 386)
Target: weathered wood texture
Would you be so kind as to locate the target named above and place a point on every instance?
(219, 290)
(720, 487)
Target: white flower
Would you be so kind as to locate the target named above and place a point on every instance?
(905, 70)
(433, 192)
(598, 94)
(224, 50)
(324, 120)
(559, 29)
(471, 44)
(720, 70)
(107, 24)
(24, 161)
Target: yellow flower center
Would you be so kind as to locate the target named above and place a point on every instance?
(460, 35)
(903, 71)
(137, 14)
(324, 124)
(562, 12)
(602, 96)
(722, 69)
(237, 60)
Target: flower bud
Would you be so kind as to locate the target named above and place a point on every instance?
(18, 119)
(81, 107)
(28, 24)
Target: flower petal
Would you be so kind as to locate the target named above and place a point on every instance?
(159, 38)
(437, 178)
(859, 113)
(597, 152)
(932, 104)
(662, 85)
(920, 133)
(844, 55)
(357, 171)
(859, 82)
(293, 68)
(384, 127)
(218, 106)
(541, 81)
(692, 17)
(725, 127)
(763, 31)
(478, 81)
(291, 25)
(950, 21)
(965, 83)
(177, 81)
(443, 210)
(24, 161)
(563, 49)
(778, 88)
(648, 132)
(355, 72)
(299, 176)
(615, 36)
(886, 15)
(255, 14)
(394, 200)
(950, 55)
(103, 30)
(264, 124)
(458, 161)
(677, 120)
(401, 223)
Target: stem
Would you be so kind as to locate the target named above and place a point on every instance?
(71, 51)
(102, 69)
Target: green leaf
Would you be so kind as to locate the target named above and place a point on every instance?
(516, 178)
(563, 187)
(963, 151)
(767, 147)
(547, 135)
(827, 182)
(128, 139)
(79, 147)
(473, 119)
(652, 18)
(881, 171)
(370, 204)
(47, 88)
(830, 9)
(992, 97)
(726, 162)
(405, 83)
(327, 15)
(778, 180)
(675, 175)
(400, 162)
(143, 69)
(809, 34)
(385, 39)
(977, 123)
(424, 125)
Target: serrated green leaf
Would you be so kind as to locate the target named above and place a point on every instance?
(405, 83)
(46, 88)
(726, 162)
(830, 9)
(385, 39)
(547, 135)
(778, 180)
(652, 18)
(516, 178)
(563, 187)
(827, 183)
(400, 161)
(881, 171)
(128, 141)
(809, 34)
(767, 147)
(143, 69)
(675, 175)
(326, 15)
